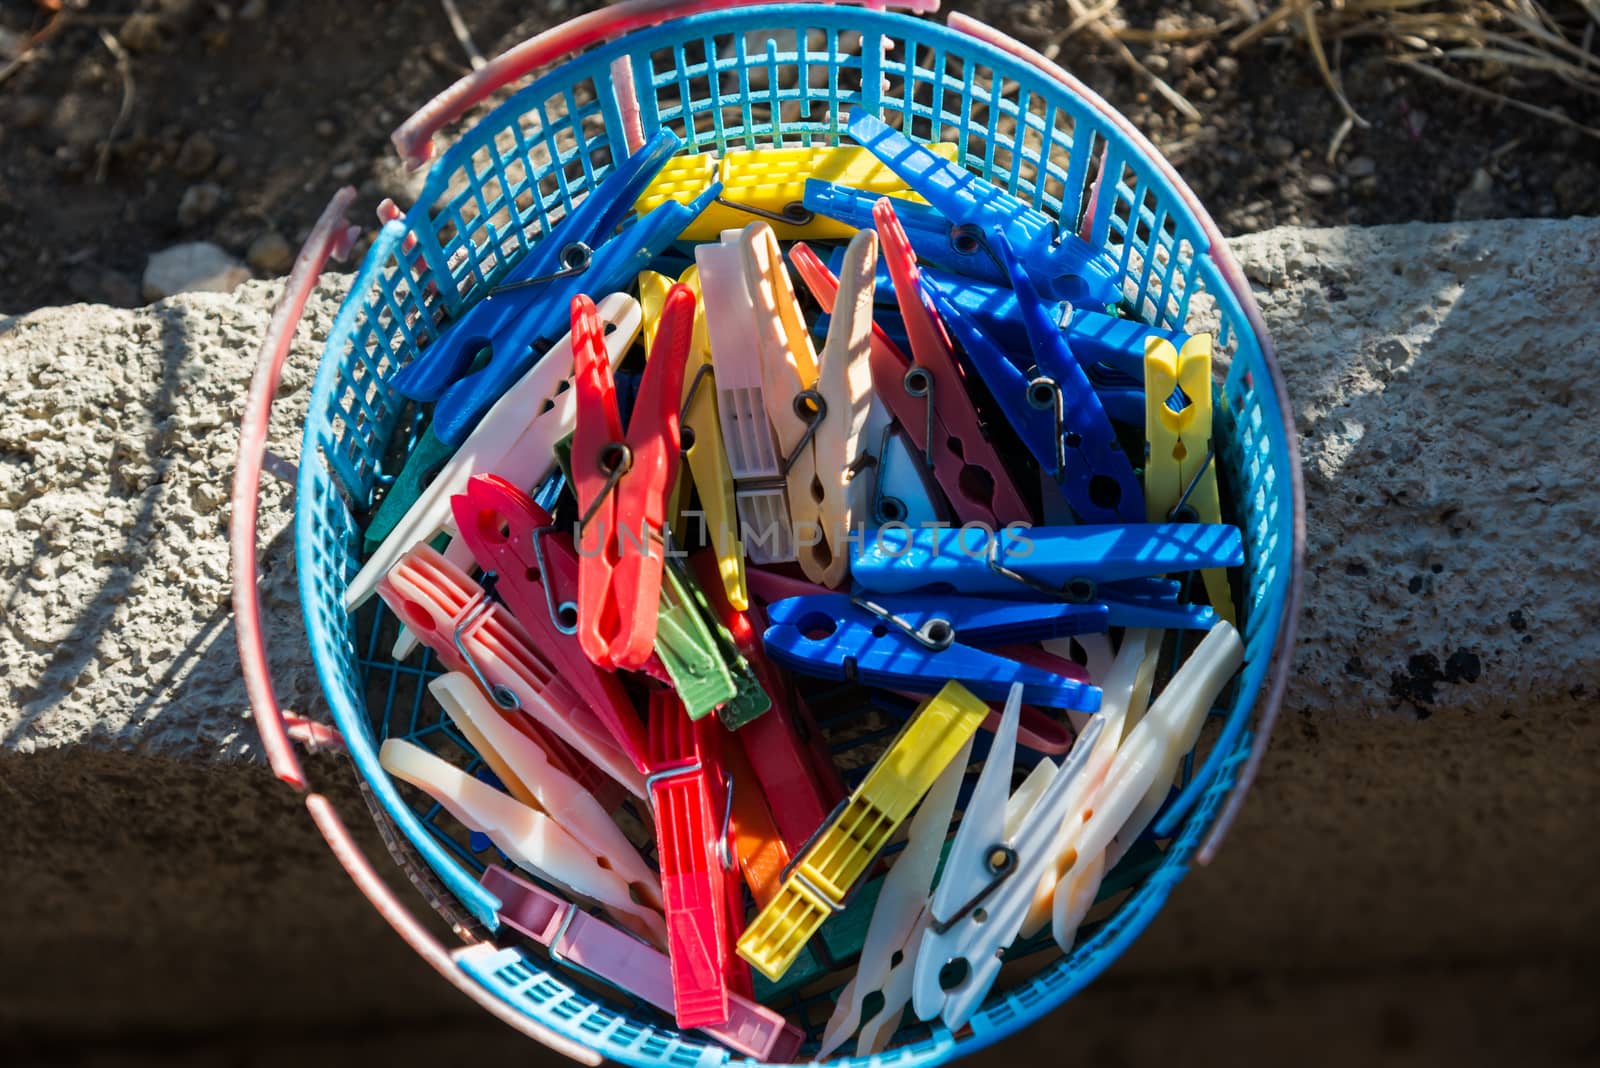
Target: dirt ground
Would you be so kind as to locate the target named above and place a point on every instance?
(244, 116)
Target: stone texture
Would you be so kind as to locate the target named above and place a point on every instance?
(1409, 884)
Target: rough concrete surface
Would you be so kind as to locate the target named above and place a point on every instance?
(1411, 882)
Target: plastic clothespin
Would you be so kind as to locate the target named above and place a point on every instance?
(536, 572)
(1076, 563)
(470, 632)
(622, 482)
(691, 803)
(848, 843)
(706, 666)
(532, 840)
(817, 406)
(582, 256)
(736, 332)
(1141, 774)
(912, 643)
(1065, 265)
(707, 460)
(631, 966)
(937, 240)
(799, 801)
(653, 289)
(1180, 474)
(987, 883)
(1095, 473)
(770, 184)
(515, 440)
(528, 773)
(889, 948)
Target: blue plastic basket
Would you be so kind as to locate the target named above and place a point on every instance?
(742, 79)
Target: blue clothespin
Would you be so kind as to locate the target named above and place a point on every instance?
(1068, 267)
(936, 239)
(1072, 563)
(909, 643)
(590, 223)
(1135, 604)
(1092, 469)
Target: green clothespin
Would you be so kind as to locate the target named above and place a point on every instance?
(687, 648)
(427, 457)
(750, 699)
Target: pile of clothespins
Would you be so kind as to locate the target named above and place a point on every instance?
(947, 470)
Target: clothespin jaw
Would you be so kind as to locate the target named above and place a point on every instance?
(611, 267)
(1067, 267)
(529, 837)
(691, 821)
(910, 643)
(848, 843)
(631, 966)
(707, 460)
(1075, 563)
(591, 221)
(509, 442)
(622, 483)
(769, 185)
(1094, 472)
(985, 889)
(1180, 471)
(537, 572)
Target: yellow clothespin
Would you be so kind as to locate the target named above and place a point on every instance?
(818, 408)
(653, 288)
(708, 469)
(845, 846)
(770, 184)
(1180, 473)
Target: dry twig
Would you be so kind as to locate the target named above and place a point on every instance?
(129, 91)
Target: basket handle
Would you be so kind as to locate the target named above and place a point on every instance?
(413, 139)
(332, 236)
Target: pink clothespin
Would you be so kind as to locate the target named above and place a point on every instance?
(516, 540)
(627, 963)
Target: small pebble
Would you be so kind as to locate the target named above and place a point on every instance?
(270, 253)
(326, 129)
(199, 203)
(1320, 185)
(195, 156)
(140, 32)
(1279, 148)
(1361, 167)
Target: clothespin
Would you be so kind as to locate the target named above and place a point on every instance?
(846, 846)
(817, 407)
(1072, 562)
(536, 571)
(888, 951)
(910, 643)
(1092, 468)
(1180, 474)
(937, 240)
(470, 632)
(1141, 773)
(530, 776)
(707, 460)
(927, 397)
(691, 804)
(515, 440)
(532, 840)
(772, 743)
(622, 483)
(1065, 265)
(708, 670)
(624, 962)
(581, 256)
(985, 889)
(736, 334)
(770, 185)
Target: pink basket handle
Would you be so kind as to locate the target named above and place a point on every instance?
(332, 236)
(414, 137)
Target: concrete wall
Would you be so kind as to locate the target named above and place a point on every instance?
(1411, 882)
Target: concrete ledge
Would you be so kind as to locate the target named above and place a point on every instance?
(1409, 883)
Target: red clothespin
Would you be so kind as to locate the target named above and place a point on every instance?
(688, 796)
(622, 482)
(534, 566)
(927, 395)
(783, 764)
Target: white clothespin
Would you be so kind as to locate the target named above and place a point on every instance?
(532, 840)
(525, 768)
(888, 951)
(1144, 767)
(818, 406)
(515, 440)
(986, 886)
(736, 330)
